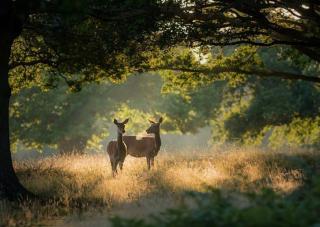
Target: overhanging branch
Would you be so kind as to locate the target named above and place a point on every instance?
(259, 72)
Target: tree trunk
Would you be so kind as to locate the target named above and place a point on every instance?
(10, 187)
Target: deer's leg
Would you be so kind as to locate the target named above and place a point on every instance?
(113, 167)
(148, 162)
(116, 166)
(152, 161)
(111, 162)
(121, 162)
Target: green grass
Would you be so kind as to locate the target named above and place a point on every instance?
(233, 187)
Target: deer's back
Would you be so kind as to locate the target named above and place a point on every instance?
(140, 147)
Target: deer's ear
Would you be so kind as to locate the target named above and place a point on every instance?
(160, 120)
(152, 122)
(126, 121)
(115, 121)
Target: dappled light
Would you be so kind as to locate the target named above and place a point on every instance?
(157, 113)
(85, 181)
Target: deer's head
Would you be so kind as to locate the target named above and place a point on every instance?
(155, 126)
(121, 125)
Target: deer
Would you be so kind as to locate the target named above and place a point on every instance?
(146, 146)
(117, 149)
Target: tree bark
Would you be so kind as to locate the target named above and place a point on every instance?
(10, 187)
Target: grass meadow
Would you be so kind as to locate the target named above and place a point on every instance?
(82, 191)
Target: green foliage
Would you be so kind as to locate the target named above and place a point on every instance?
(249, 112)
(189, 69)
(119, 34)
(265, 208)
(99, 41)
(298, 133)
(63, 118)
(58, 117)
(272, 104)
(81, 42)
(244, 113)
(138, 119)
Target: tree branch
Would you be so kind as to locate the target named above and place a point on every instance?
(252, 71)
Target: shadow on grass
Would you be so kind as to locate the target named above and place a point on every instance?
(236, 201)
(228, 206)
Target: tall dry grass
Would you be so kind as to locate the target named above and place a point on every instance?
(85, 183)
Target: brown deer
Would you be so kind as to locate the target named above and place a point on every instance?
(146, 146)
(117, 150)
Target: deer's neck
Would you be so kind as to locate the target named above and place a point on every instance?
(119, 139)
(158, 141)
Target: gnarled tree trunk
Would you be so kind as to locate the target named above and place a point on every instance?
(10, 187)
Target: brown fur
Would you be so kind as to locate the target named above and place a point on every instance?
(147, 146)
(117, 150)
(140, 147)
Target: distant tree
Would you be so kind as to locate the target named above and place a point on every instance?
(71, 121)
(62, 118)
(271, 103)
(243, 105)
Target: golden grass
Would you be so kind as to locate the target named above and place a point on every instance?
(85, 182)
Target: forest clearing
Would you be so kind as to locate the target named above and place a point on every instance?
(156, 113)
(86, 192)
